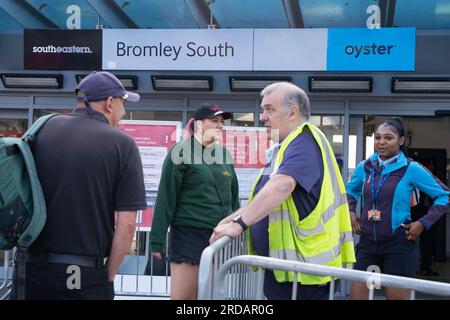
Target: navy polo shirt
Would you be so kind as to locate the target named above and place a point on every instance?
(302, 161)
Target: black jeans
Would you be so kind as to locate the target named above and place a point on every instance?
(48, 281)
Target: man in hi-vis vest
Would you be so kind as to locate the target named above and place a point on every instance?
(297, 209)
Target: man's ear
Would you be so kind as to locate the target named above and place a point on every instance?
(108, 105)
(294, 112)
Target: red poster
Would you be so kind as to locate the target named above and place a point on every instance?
(154, 140)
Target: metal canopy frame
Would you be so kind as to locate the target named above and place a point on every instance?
(113, 14)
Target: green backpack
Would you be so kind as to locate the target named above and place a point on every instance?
(22, 203)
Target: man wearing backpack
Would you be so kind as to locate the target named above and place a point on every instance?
(89, 170)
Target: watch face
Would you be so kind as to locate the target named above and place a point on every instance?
(236, 218)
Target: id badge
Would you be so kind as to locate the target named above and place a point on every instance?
(374, 215)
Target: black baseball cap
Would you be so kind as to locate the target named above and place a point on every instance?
(99, 85)
(209, 110)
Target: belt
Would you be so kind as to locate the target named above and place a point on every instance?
(82, 261)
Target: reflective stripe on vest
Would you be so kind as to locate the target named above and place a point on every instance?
(321, 258)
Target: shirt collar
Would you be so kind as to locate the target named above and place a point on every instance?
(269, 153)
(386, 162)
(95, 114)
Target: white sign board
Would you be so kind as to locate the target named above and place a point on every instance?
(290, 49)
(219, 49)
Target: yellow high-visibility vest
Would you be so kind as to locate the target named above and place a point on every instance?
(325, 236)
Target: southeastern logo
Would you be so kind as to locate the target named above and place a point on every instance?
(373, 49)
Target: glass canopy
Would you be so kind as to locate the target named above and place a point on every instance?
(191, 14)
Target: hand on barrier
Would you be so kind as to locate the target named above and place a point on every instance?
(230, 229)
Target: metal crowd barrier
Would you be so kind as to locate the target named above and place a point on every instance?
(138, 275)
(241, 280)
(6, 277)
(220, 287)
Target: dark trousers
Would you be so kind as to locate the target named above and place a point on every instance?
(274, 290)
(48, 281)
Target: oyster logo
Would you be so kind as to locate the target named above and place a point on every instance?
(373, 49)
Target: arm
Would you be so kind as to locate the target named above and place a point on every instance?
(354, 191)
(169, 186)
(235, 203)
(354, 186)
(278, 188)
(434, 188)
(123, 236)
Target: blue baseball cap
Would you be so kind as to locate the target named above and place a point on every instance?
(99, 85)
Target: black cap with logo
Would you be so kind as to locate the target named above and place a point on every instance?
(209, 110)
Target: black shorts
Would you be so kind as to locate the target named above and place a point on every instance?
(399, 256)
(186, 244)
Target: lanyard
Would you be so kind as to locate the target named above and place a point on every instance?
(380, 185)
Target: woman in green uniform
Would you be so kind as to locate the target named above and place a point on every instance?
(198, 188)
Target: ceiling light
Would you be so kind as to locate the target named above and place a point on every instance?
(128, 82)
(191, 83)
(254, 83)
(32, 81)
(340, 84)
(420, 85)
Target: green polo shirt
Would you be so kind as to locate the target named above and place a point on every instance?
(198, 188)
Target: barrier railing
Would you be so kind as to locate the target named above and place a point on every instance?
(138, 275)
(6, 279)
(373, 280)
(241, 282)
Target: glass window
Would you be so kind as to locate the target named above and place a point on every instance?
(246, 119)
(13, 127)
(430, 14)
(331, 120)
(315, 120)
(7, 22)
(249, 14)
(159, 14)
(334, 130)
(43, 112)
(64, 13)
(242, 119)
(155, 115)
(335, 13)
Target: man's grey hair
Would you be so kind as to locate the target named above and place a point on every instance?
(294, 97)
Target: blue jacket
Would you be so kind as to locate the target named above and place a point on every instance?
(394, 198)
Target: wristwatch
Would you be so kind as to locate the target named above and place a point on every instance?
(238, 219)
